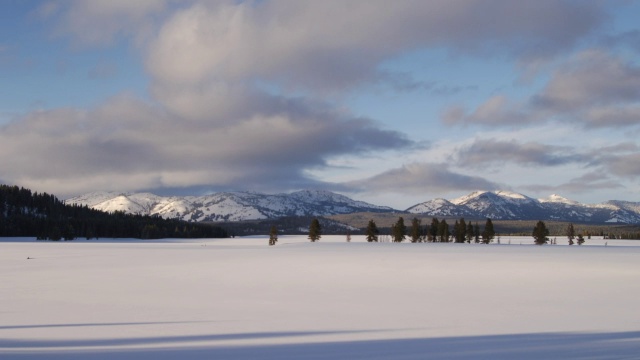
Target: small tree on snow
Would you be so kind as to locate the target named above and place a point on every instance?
(540, 233)
(273, 235)
(315, 232)
(580, 239)
(372, 231)
(571, 233)
(399, 230)
(489, 233)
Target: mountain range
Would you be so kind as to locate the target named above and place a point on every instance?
(228, 206)
(237, 206)
(506, 205)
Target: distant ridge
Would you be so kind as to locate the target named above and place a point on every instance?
(228, 206)
(506, 205)
(238, 206)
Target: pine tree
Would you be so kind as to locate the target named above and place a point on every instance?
(488, 234)
(540, 233)
(571, 233)
(273, 235)
(372, 231)
(443, 231)
(315, 231)
(476, 233)
(415, 230)
(433, 230)
(399, 230)
(580, 239)
(461, 231)
(456, 229)
(470, 233)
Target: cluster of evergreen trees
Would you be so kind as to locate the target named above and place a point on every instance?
(437, 231)
(41, 215)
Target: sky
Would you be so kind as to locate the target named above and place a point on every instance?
(393, 103)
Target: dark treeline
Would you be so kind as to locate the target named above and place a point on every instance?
(438, 230)
(41, 215)
(502, 227)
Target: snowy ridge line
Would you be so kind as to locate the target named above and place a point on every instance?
(227, 206)
(507, 205)
(238, 206)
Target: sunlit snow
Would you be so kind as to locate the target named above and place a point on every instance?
(241, 299)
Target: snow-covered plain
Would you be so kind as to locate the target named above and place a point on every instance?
(241, 299)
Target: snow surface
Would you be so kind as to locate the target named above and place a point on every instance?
(241, 299)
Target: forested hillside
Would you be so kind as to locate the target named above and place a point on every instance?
(27, 213)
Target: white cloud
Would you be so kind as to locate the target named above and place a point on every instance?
(594, 88)
(332, 45)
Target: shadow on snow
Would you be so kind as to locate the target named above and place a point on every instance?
(619, 345)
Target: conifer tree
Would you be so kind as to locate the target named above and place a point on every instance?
(476, 233)
(460, 231)
(415, 230)
(571, 233)
(315, 231)
(273, 235)
(372, 231)
(540, 233)
(456, 227)
(580, 239)
(443, 231)
(488, 234)
(399, 230)
(469, 234)
(433, 230)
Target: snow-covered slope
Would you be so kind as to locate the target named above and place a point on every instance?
(439, 206)
(508, 205)
(227, 206)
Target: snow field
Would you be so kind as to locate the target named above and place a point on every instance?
(241, 299)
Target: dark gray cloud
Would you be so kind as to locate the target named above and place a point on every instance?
(421, 178)
(595, 89)
(483, 152)
(126, 144)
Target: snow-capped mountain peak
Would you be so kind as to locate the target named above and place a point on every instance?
(555, 198)
(228, 206)
(507, 205)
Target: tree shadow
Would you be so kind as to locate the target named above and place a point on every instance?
(572, 346)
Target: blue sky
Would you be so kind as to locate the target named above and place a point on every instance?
(393, 103)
